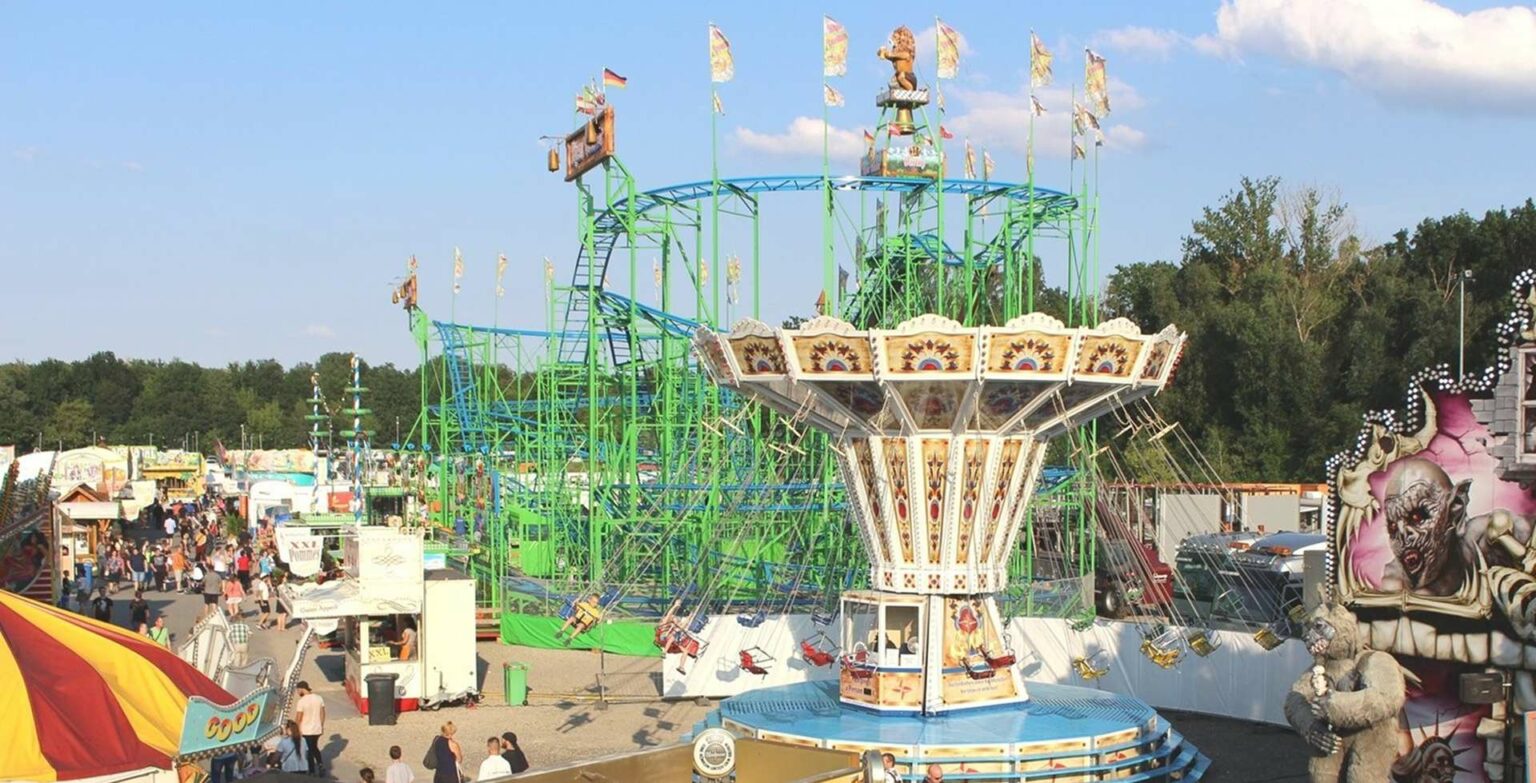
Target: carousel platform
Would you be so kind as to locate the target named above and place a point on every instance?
(1063, 733)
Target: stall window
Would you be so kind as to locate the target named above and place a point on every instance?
(861, 627)
(903, 629)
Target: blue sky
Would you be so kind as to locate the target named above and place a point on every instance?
(228, 181)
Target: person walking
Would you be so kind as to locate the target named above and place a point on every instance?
(398, 771)
(178, 568)
(263, 591)
(243, 567)
(290, 749)
(239, 643)
(494, 766)
(213, 587)
(137, 566)
(138, 610)
(101, 606)
(513, 753)
(234, 593)
(446, 755)
(310, 712)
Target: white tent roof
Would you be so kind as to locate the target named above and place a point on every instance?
(345, 598)
(84, 509)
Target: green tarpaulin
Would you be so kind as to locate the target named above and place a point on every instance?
(621, 637)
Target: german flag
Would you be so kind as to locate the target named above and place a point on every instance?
(611, 79)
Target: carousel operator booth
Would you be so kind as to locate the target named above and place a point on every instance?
(396, 619)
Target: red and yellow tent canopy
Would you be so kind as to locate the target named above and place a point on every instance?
(81, 698)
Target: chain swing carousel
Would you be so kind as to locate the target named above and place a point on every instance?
(940, 431)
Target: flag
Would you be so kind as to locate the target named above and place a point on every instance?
(1039, 62)
(722, 66)
(834, 48)
(1096, 82)
(733, 270)
(549, 271)
(1035, 106)
(1083, 120)
(986, 165)
(458, 268)
(611, 79)
(942, 107)
(1077, 150)
(944, 133)
(949, 50)
(584, 102)
(656, 273)
(1029, 160)
(719, 107)
(501, 268)
(869, 138)
(830, 95)
(970, 161)
(842, 280)
(703, 271)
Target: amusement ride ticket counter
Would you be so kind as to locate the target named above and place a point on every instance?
(396, 620)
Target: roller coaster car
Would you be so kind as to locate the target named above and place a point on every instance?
(752, 620)
(857, 663)
(818, 650)
(756, 660)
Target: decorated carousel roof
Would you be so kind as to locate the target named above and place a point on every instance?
(81, 698)
(1032, 375)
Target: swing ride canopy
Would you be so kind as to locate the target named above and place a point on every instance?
(81, 698)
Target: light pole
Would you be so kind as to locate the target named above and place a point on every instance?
(1461, 330)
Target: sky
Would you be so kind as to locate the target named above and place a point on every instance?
(219, 182)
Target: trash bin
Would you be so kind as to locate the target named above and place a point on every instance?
(381, 699)
(514, 678)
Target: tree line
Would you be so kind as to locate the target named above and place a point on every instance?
(1297, 327)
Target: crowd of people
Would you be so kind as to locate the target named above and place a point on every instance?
(296, 750)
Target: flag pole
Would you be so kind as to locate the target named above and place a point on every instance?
(834, 306)
(714, 186)
(938, 137)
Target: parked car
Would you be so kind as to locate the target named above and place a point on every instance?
(1265, 580)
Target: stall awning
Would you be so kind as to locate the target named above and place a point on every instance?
(348, 598)
(84, 509)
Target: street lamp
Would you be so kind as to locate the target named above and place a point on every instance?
(1461, 332)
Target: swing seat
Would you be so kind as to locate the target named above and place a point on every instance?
(978, 668)
(857, 663)
(1083, 621)
(821, 618)
(1163, 655)
(756, 660)
(1203, 642)
(1000, 661)
(568, 609)
(608, 598)
(752, 620)
(814, 654)
(1087, 670)
(1268, 637)
(691, 645)
(696, 625)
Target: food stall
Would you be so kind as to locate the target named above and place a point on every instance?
(178, 474)
(386, 592)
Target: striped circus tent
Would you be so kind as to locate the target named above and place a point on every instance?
(81, 698)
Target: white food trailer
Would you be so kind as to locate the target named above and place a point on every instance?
(387, 590)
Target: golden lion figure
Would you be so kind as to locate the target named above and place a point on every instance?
(901, 52)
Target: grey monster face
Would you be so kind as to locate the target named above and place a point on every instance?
(1423, 512)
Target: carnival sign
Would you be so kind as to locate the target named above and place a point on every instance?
(589, 145)
(209, 729)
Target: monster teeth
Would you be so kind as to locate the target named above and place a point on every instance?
(1443, 645)
(1506, 651)
(1477, 647)
(1424, 638)
(1383, 633)
(1403, 643)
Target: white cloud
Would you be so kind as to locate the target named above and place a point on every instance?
(1146, 41)
(803, 139)
(1403, 50)
(319, 330)
(1001, 120)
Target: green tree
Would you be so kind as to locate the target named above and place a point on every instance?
(70, 425)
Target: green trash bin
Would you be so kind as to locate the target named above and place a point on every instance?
(514, 678)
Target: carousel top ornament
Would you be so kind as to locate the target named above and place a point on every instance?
(901, 52)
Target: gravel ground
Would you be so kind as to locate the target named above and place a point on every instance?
(564, 722)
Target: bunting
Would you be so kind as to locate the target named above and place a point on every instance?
(722, 66)
(458, 268)
(1039, 62)
(1096, 82)
(834, 48)
(970, 161)
(830, 95)
(948, 50)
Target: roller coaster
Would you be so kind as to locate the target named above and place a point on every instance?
(591, 457)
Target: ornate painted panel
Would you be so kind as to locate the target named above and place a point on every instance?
(899, 478)
(935, 465)
(759, 355)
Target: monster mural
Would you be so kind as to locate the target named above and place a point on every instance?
(1431, 518)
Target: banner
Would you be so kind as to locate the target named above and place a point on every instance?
(722, 66)
(209, 728)
(949, 51)
(834, 48)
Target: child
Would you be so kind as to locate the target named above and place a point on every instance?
(398, 771)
